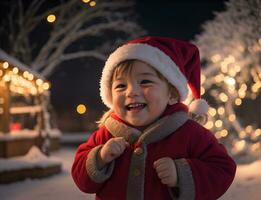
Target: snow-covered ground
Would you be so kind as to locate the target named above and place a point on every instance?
(247, 184)
(56, 187)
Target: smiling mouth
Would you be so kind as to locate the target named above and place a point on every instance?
(135, 106)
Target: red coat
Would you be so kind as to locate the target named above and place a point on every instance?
(204, 169)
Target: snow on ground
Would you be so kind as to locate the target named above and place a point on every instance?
(59, 186)
(247, 184)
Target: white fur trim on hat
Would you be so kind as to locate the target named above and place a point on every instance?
(199, 107)
(146, 53)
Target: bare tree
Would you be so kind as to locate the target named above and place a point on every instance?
(80, 30)
(231, 46)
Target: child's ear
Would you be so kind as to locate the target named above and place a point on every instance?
(172, 99)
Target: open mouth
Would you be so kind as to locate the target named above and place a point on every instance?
(135, 106)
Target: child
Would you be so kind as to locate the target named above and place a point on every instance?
(147, 147)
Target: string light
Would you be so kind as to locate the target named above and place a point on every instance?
(249, 129)
(209, 125)
(240, 145)
(223, 97)
(22, 82)
(5, 65)
(236, 77)
(93, 3)
(256, 134)
(219, 78)
(242, 134)
(221, 111)
(81, 109)
(255, 147)
(212, 111)
(238, 101)
(230, 80)
(46, 86)
(39, 82)
(232, 117)
(202, 91)
(218, 123)
(86, 1)
(51, 18)
(15, 70)
(216, 58)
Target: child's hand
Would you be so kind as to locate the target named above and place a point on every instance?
(112, 149)
(166, 170)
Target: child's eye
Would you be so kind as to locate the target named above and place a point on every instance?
(120, 86)
(146, 81)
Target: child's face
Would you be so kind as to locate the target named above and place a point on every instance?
(140, 97)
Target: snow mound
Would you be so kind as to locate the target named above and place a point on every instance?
(34, 158)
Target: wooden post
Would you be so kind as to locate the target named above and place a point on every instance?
(5, 107)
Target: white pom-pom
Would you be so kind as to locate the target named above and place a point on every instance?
(199, 107)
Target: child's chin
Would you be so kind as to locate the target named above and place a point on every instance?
(139, 124)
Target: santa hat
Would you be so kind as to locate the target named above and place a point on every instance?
(176, 60)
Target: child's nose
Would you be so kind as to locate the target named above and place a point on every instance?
(133, 90)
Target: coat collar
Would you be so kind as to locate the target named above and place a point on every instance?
(173, 117)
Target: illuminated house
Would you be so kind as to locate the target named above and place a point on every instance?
(24, 110)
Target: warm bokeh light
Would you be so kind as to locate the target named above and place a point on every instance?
(219, 78)
(212, 111)
(216, 58)
(46, 86)
(240, 145)
(221, 111)
(39, 82)
(238, 101)
(249, 129)
(15, 70)
(93, 3)
(25, 74)
(224, 133)
(202, 91)
(230, 80)
(242, 134)
(255, 146)
(81, 109)
(30, 76)
(86, 1)
(51, 18)
(203, 78)
(232, 117)
(5, 65)
(256, 134)
(209, 125)
(223, 97)
(218, 123)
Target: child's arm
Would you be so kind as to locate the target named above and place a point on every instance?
(209, 170)
(93, 163)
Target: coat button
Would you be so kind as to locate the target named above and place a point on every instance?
(138, 151)
(137, 172)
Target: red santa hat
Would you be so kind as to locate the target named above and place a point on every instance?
(178, 61)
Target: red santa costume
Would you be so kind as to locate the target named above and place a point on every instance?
(204, 169)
